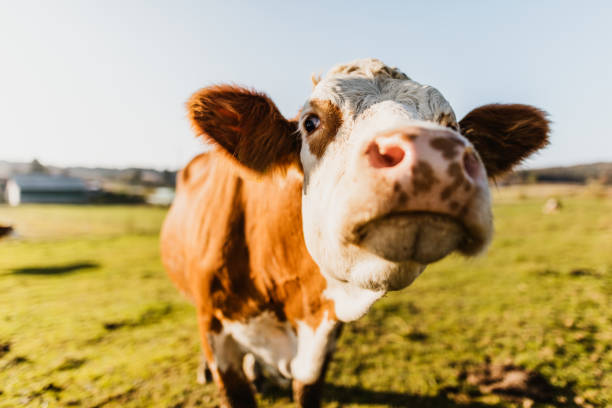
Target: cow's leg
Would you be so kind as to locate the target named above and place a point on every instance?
(224, 357)
(203, 375)
(309, 395)
(252, 371)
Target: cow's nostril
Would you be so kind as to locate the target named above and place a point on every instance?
(389, 156)
(471, 163)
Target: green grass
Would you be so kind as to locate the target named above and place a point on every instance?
(88, 317)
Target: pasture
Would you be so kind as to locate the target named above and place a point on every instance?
(89, 319)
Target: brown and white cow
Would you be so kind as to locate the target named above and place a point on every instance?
(287, 228)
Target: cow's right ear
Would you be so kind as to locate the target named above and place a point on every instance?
(247, 124)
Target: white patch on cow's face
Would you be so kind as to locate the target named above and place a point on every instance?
(341, 190)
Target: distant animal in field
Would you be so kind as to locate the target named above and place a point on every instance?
(551, 206)
(289, 227)
(5, 231)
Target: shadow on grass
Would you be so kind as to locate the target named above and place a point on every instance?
(56, 269)
(358, 395)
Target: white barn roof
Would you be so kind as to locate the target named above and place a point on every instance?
(48, 183)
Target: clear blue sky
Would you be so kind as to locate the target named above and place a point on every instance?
(104, 82)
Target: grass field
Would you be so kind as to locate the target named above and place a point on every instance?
(89, 319)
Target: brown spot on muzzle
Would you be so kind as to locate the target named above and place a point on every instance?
(454, 170)
(423, 177)
(449, 146)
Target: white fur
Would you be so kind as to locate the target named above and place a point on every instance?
(351, 302)
(228, 354)
(284, 352)
(274, 343)
(313, 346)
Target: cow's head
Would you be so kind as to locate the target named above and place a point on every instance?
(392, 181)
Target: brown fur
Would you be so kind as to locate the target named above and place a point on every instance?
(449, 146)
(448, 120)
(245, 254)
(504, 135)
(236, 389)
(331, 120)
(238, 119)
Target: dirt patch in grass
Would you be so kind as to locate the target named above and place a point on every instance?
(71, 363)
(5, 347)
(16, 361)
(51, 387)
(115, 398)
(512, 382)
(578, 272)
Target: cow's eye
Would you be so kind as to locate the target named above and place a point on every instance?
(312, 123)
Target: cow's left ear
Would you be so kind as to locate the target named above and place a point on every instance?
(247, 124)
(504, 135)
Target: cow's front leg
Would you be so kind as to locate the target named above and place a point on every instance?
(203, 376)
(309, 395)
(315, 350)
(225, 361)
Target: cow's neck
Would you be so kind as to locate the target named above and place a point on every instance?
(350, 302)
(275, 226)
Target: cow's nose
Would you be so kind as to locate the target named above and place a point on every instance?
(383, 155)
(405, 148)
(429, 168)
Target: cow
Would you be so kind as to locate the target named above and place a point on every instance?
(287, 228)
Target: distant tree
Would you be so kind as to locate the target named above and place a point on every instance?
(606, 178)
(136, 177)
(37, 167)
(169, 177)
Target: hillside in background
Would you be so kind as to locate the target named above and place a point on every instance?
(600, 173)
(95, 175)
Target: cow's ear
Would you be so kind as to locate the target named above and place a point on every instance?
(504, 135)
(247, 124)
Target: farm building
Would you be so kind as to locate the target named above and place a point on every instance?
(161, 196)
(45, 188)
